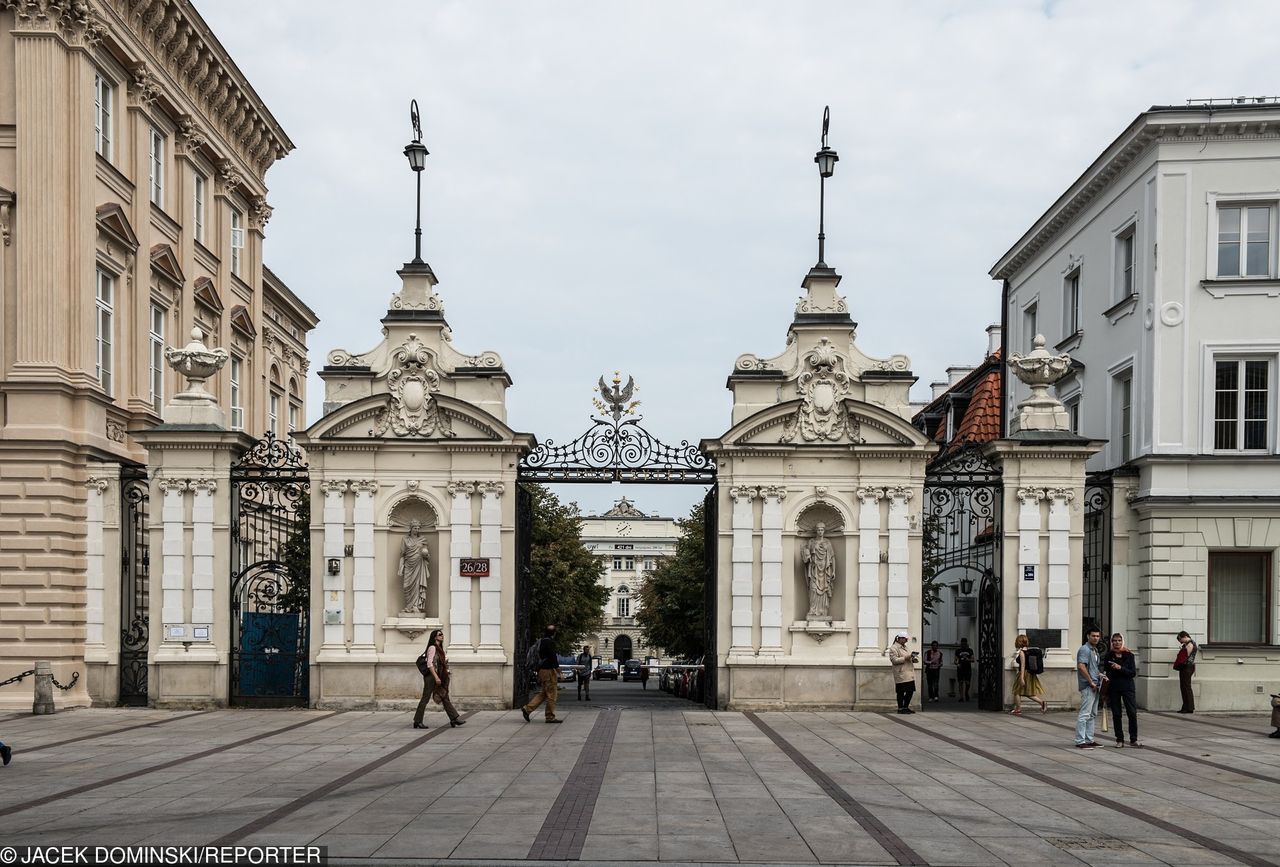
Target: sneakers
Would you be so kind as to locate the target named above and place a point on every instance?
(554, 721)
(1087, 745)
(6, 753)
(526, 714)
(1119, 745)
(1134, 744)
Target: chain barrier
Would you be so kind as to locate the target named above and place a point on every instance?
(75, 675)
(18, 678)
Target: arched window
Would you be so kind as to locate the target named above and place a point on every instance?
(275, 397)
(624, 601)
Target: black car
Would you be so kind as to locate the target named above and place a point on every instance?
(608, 671)
(631, 669)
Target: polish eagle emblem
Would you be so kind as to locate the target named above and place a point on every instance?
(616, 401)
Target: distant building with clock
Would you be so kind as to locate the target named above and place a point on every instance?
(630, 543)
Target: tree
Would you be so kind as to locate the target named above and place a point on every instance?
(564, 577)
(295, 554)
(672, 602)
(930, 561)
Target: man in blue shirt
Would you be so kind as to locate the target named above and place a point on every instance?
(1089, 682)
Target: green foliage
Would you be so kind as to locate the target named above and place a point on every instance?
(296, 556)
(671, 610)
(564, 577)
(931, 559)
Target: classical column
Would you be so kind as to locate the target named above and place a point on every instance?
(742, 589)
(1060, 560)
(491, 547)
(899, 613)
(870, 638)
(95, 603)
(202, 553)
(335, 586)
(771, 569)
(362, 575)
(173, 580)
(1028, 576)
(460, 547)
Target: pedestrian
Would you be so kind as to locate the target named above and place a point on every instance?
(548, 677)
(1120, 667)
(435, 681)
(904, 671)
(1185, 665)
(1027, 684)
(1088, 682)
(964, 668)
(584, 672)
(644, 676)
(933, 669)
(6, 752)
(1275, 721)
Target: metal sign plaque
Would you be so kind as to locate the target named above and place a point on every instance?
(474, 567)
(1028, 573)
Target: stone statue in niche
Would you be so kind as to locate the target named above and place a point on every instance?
(415, 570)
(819, 558)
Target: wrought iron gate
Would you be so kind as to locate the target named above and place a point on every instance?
(711, 654)
(135, 586)
(1096, 607)
(524, 546)
(270, 576)
(962, 535)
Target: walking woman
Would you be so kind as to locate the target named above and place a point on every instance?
(1185, 665)
(1028, 683)
(435, 682)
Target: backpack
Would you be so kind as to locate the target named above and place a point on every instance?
(1035, 660)
(532, 658)
(422, 664)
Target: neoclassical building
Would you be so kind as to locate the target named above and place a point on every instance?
(132, 210)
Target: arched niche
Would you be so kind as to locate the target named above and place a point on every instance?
(394, 532)
(805, 529)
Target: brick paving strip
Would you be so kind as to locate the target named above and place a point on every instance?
(1199, 839)
(892, 843)
(565, 829)
(232, 837)
(89, 787)
(145, 725)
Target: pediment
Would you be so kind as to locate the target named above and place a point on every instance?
(868, 425)
(242, 322)
(165, 263)
(207, 294)
(359, 419)
(113, 223)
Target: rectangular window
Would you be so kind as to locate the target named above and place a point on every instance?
(1071, 294)
(648, 565)
(237, 407)
(1241, 404)
(237, 240)
(1244, 240)
(197, 208)
(1073, 413)
(156, 162)
(1125, 283)
(624, 606)
(155, 339)
(617, 563)
(1029, 326)
(293, 417)
(1123, 396)
(103, 99)
(628, 563)
(1239, 597)
(273, 413)
(103, 329)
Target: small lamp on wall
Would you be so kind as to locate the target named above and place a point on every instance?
(966, 586)
(335, 566)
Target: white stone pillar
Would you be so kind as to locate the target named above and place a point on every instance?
(335, 586)
(742, 588)
(771, 569)
(173, 577)
(362, 571)
(1060, 560)
(95, 649)
(491, 547)
(202, 553)
(1029, 557)
(870, 638)
(899, 612)
(459, 547)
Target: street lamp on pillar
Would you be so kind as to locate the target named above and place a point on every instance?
(416, 152)
(826, 160)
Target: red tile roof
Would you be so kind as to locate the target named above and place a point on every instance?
(981, 420)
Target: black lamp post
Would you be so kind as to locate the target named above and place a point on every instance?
(416, 152)
(826, 160)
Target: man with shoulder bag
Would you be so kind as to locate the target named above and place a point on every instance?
(1185, 665)
(548, 677)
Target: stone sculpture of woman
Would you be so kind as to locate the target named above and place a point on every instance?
(820, 573)
(415, 569)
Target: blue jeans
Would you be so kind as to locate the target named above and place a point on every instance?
(1088, 716)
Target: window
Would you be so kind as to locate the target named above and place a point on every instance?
(1071, 310)
(624, 606)
(648, 565)
(617, 562)
(156, 162)
(273, 413)
(103, 101)
(1122, 393)
(237, 240)
(1073, 413)
(1239, 597)
(237, 406)
(155, 339)
(1029, 326)
(197, 208)
(1241, 404)
(1244, 240)
(1125, 284)
(293, 417)
(102, 329)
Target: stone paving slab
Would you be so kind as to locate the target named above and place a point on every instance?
(679, 786)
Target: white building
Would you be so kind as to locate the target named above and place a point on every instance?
(630, 543)
(1157, 271)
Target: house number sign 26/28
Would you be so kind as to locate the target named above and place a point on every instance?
(474, 567)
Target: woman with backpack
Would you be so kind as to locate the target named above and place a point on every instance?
(1185, 665)
(434, 666)
(1030, 666)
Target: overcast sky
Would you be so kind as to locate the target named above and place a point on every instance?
(631, 186)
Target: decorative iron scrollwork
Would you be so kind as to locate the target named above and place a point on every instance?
(271, 455)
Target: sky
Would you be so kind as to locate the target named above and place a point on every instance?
(631, 186)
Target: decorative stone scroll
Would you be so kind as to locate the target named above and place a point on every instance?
(411, 409)
(823, 387)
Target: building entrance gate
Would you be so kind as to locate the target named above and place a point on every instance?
(614, 449)
(135, 586)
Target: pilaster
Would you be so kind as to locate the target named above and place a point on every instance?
(334, 518)
(742, 557)
(362, 572)
(870, 635)
(460, 547)
(491, 547)
(771, 570)
(202, 551)
(1060, 500)
(1029, 569)
(173, 580)
(898, 617)
(95, 649)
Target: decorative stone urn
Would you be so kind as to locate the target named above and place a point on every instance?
(197, 363)
(1039, 370)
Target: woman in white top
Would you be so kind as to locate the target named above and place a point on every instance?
(435, 682)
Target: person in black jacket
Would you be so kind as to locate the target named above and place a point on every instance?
(548, 677)
(1120, 668)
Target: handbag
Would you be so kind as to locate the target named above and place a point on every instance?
(422, 665)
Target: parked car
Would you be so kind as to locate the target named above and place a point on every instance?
(608, 671)
(631, 670)
(568, 669)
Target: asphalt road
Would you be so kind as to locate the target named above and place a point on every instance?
(630, 695)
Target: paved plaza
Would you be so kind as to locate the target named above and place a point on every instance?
(636, 777)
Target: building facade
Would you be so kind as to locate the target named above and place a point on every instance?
(132, 211)
(629, 543)
(1157, 270)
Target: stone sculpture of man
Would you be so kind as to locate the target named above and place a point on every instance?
(820, 573)
(415, 569)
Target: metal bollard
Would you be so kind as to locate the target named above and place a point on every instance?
(43, 703)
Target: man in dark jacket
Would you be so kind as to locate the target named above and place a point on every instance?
(584, 672)
(548, 677)
(1120, 668)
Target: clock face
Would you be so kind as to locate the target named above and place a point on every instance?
(624, 529)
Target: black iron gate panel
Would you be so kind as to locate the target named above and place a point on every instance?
(135, 585)
(710, 650)
(270, 576)
(990, 645)
(1096, 607)
(523, 600)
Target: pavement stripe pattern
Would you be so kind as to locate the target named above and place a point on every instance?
(145, 725)
(891, 842)
(564, 831)
(1194, 719)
